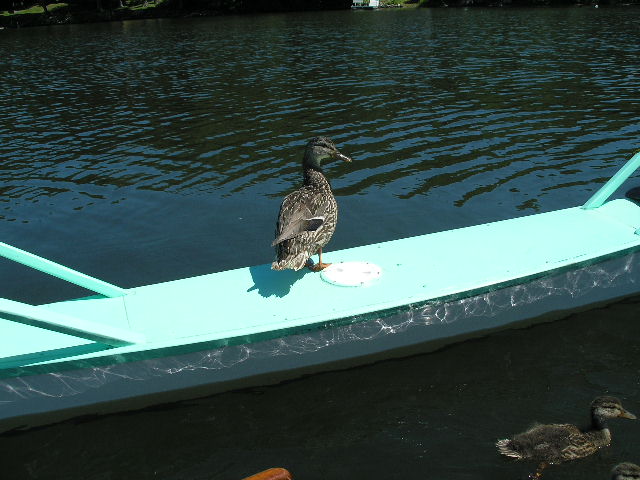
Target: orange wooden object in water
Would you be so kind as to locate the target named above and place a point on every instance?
(271, 474)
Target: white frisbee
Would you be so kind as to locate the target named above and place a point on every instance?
(351, 274)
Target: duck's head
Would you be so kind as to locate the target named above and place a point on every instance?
(625, 471)
(605, 407)
(320, 149)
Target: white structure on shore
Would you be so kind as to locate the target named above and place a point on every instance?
(365, 4)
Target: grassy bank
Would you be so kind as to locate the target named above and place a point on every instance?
(63, 13)
(85, 11)
(36, 10)
(77, 11)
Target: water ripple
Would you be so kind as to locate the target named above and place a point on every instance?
(469, 109)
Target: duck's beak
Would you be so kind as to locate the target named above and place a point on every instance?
(342, 157)
(629, 415)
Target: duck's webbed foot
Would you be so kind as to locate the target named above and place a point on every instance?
(538, 474)
(316, 267)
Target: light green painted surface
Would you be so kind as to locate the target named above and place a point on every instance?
(603, 194)
(247, 303)
(60, 271)
(64, 323)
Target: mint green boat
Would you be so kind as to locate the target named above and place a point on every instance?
(127, 348)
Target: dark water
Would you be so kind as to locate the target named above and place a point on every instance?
(140, 152)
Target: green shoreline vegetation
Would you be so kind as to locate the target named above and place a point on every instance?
(24, 13)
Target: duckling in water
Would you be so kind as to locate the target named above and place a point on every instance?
(557, 443)
(625, 471)
(308, 216)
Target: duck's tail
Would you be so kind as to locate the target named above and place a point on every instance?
(505, 447)
(294, 263)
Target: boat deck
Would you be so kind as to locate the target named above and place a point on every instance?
(249, 304)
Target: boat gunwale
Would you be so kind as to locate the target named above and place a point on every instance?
(114, 355)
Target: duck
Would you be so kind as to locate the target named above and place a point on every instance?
(308, 215)
(557, 443)
(625, 471)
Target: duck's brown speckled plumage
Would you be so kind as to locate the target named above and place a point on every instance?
(308, 216)
(557, 443)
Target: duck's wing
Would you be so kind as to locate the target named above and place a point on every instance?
(580, 445)
(544, 442)
(301, 211)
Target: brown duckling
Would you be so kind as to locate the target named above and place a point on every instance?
(625, 471)
(557, 443)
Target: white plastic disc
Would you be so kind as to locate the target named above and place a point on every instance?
(351, 274)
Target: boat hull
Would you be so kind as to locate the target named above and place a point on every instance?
(29, 400)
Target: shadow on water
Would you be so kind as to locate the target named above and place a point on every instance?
(270, 282)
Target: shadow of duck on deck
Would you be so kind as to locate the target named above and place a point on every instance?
(274, 283)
